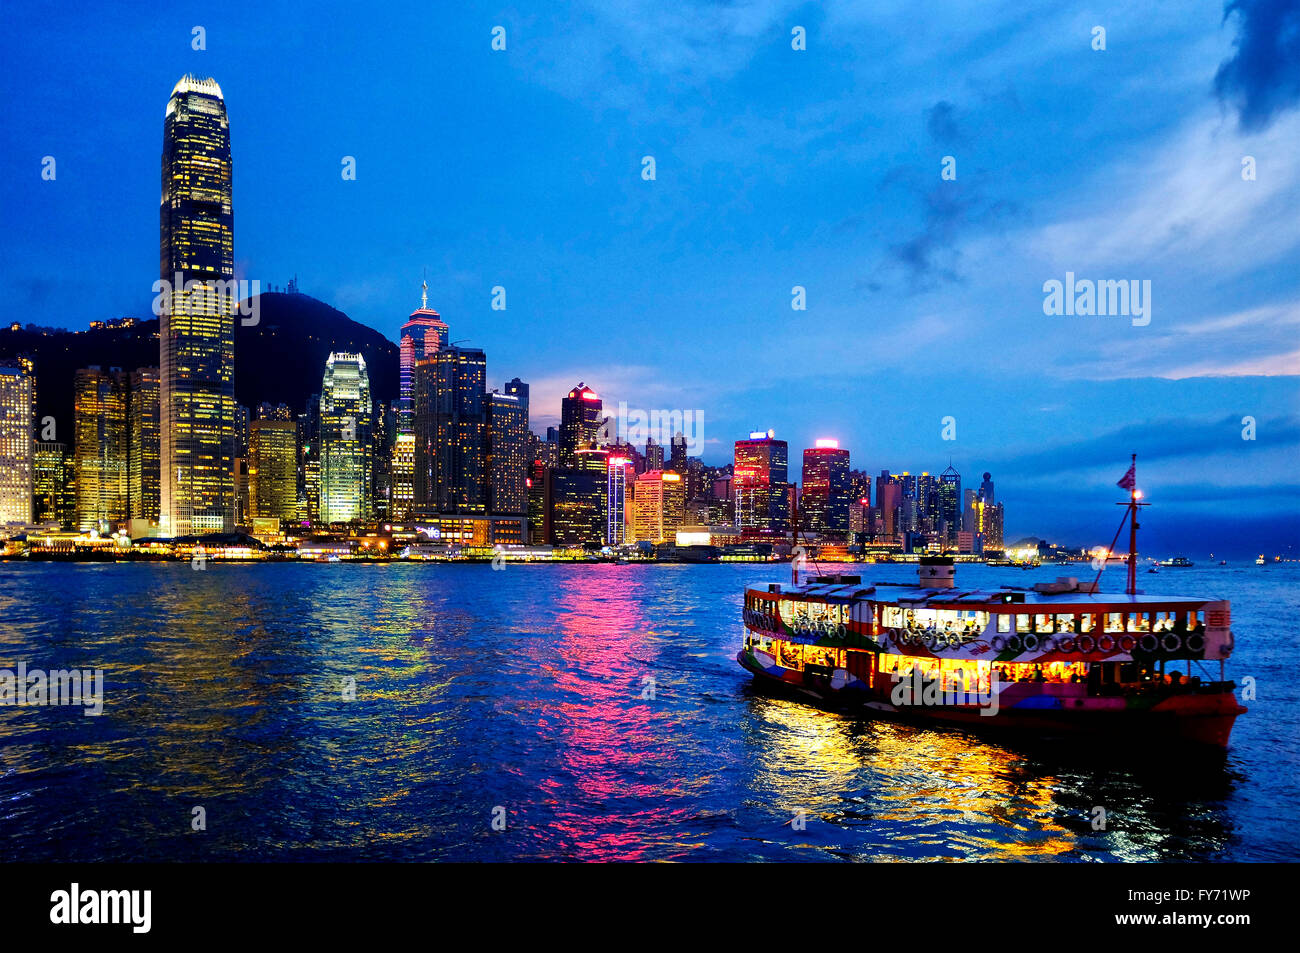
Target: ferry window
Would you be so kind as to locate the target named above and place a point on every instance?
(1141, 622)
(1114, 622)
(981, 621)
(1042, 623)
(1065, 623)
(1004, 622)
(1086, 622)
(1022, 623)
(893, 617)
(1195, 621)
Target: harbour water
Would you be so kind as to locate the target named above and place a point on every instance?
(598, 709)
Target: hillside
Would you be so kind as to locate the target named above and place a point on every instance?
(280, 360)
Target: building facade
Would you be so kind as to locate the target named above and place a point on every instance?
(197, 314)
(346, 447)
(17, 412)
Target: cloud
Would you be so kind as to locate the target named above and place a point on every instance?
(1156, 440)
(1263, 78)
(941, 122)
(932, 257)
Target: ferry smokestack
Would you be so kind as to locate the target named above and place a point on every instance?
(935, 572)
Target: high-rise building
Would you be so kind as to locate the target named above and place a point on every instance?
(654, 455)
(677, 454)
(196, 320)
(826, 490)
(950, 516)
(986, 489)
(144, 410)
(346, 448)
(659, 498)
(51, 476)
(101, 448)
(889, 499)
(423, 334)
(273, 469)
(578, 504)
(507, 443)
(403, 467)
(451, 424)
(621, 470)
(539, 498)
(16, 447)
(580, 419)
(761, 484)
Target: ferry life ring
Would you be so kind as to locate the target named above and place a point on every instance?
(768, 622)
(1195, 642)
(998, 643)
(1127, 643)
(1048, 644)
(1148, 643)
(1106, 643)
(934, 643)
(1015, 645)
(1085, 643)
(1173, 638)
(954, 641)
(1030, 642)
(842, 630)
(1066, 644)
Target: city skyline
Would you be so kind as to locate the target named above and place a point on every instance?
(1043, 401)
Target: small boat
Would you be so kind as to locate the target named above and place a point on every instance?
(1178, 562)
(1223, 562)
(1260, 560)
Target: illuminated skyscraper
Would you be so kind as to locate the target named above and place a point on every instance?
(273, 469)
(654, 455)
(403, 475)
(580, 417)
(507, 450)
(451, 422)
(196, 320)
(950, 515)
(101, 447)
(424, 334)
(760, 481)
(16, 447)
(659, 499)
(346, 448)
(51, 475)
(616, 509)
(143, 500)
(826, 490)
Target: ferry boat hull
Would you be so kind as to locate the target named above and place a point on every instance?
(1200, 721)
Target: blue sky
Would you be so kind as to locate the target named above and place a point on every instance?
(774, 168)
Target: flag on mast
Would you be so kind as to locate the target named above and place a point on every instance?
(1129, 480)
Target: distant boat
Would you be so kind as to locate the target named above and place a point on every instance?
(1178, 562)
(1260, 560)
(1223, 562)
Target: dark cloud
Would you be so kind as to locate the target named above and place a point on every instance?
(941, 121)
(930, 258)
(1156, 440)
(1263, 78)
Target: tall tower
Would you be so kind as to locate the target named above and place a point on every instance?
(826, 490)
(17, 388)
(346, 450)
(196, 317)
(423, 335)
(760, 475)
(580, 416)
